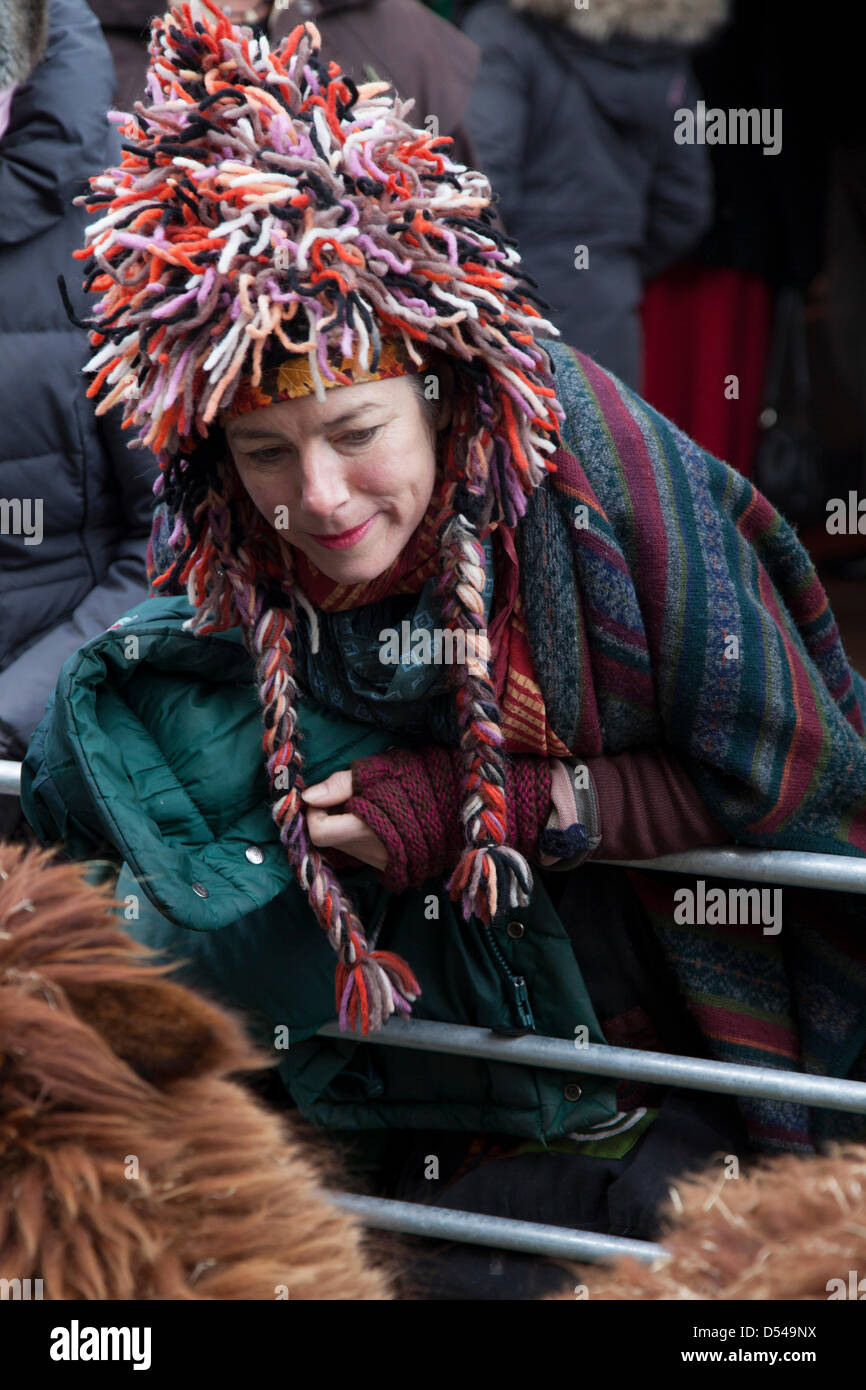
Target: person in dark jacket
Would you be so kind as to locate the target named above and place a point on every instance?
(75, 502)
(572, 119)
(398, 41)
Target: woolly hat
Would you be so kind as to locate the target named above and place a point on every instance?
(268, 207)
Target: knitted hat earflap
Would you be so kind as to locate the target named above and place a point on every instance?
(489, 874)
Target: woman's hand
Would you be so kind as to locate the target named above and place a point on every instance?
(333, 830)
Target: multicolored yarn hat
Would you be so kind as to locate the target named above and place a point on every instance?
(268, 209)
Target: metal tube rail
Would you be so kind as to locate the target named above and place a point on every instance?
(10, 778)
(472, 1228)
(599, 1059)
(838, 872)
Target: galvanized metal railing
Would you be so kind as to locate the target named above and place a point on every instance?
(823, 871)
(10, 778)
(836, 872)
(558, 1054)
(626, 1063)
(806, 870)
(471, 1228)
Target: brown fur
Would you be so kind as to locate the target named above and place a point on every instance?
(103, 1058)
(781, 1231)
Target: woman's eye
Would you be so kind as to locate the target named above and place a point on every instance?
(357, 437)
(265, 456)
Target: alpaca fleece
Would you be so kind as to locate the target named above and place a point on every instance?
(104, 1061)
(784, 1231)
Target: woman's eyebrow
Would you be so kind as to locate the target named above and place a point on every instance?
(241, 436)
(351, 413)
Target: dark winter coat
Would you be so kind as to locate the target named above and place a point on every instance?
(95, 493)
(576, 136)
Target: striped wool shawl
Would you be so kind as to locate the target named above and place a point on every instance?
(701, 625)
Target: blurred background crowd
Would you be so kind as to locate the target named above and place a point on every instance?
(725, 281)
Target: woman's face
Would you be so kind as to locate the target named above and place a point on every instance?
(356, 470)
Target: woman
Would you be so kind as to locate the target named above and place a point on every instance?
(367, 456)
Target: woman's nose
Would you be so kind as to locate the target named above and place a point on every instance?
(323, 485)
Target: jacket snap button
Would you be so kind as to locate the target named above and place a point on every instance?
(572, 1091)
(515, 930)
(254, 854)
(200, 889)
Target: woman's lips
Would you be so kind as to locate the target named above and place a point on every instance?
(346, 538)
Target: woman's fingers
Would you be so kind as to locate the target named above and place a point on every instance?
(330, 830)
(349, 834)
(332, 792)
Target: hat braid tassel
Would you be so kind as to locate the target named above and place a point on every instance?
(369, 985)
(490, 875)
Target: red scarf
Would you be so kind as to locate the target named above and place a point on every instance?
(524, 719)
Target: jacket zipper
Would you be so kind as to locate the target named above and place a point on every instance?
(517, 982)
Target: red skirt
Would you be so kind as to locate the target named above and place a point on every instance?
(702, 327)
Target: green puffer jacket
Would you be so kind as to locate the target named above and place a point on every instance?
(150, 756)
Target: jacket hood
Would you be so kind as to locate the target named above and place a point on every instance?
(23, 32)
(650, 21)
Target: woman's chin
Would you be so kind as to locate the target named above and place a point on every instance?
(352, 566)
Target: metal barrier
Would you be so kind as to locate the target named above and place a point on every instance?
(10, 778)
(599, 1059)
(596, 1059)
(836, 872)
(824, 871)
(469, 1227)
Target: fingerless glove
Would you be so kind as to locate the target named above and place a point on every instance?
(412, 799)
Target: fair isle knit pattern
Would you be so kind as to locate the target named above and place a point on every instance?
(265, 204)
(674, 555)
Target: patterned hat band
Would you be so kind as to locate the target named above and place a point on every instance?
(303, 374)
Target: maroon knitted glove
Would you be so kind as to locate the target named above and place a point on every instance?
(412, 799)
